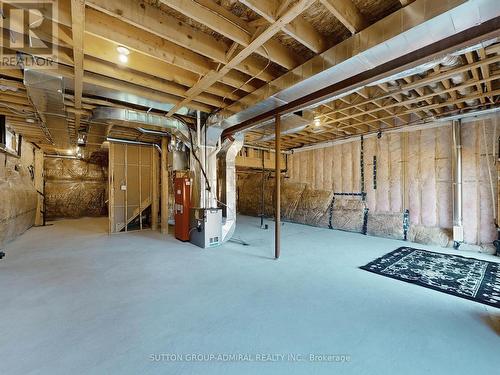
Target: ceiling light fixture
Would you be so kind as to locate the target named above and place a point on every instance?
(123, 53)
(123, 50)
(317, 122)
(123, 58)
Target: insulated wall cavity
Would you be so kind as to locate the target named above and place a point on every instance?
(18, 201)
(75, 188)
(413, 170)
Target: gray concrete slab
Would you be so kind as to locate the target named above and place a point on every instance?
(74, 300)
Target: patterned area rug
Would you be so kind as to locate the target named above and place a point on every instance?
(470, 278)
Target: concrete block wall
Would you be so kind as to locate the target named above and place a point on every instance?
(414, 171)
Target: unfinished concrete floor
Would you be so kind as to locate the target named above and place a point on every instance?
(74, 300)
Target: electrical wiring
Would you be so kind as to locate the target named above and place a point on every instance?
(16, 111)
(207, 183)
(248, 80)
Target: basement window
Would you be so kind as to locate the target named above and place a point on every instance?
(10, 142)
(3, 131)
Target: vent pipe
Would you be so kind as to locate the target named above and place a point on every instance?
(458, 230)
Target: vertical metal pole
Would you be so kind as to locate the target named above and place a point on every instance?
(277, 175)
(262, 193)
(164, 185)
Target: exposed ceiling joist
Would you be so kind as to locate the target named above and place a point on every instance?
(267, 34)
(299, 28)
(112, 29)
(105, 50)
(227, 24)
(167, 85)
(153, 20)
(347, 13)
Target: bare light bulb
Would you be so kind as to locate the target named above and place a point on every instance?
(123, 58)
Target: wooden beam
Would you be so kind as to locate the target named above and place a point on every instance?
(78, 26)
(428, 80)
(446, 103)
(131, 88)
(38, 182)
(229, 25)
(260, 39)
(298, 28)
(154, 190)
(138, 39)
(104, 50)
(347, 13)
(417, 100)
(164, 185)
(146, 80)
(111, 188)
(149, 18)
(107, 51)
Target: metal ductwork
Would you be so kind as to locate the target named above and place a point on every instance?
(458, 230)
(409, 29)
(227, 184)
(132, 118)
(46, 92)
(290, 124)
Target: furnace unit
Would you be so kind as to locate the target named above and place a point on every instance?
(182, 190)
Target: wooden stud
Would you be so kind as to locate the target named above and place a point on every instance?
(111, 188)
(154, 189)
(164, 185)
(38, 181)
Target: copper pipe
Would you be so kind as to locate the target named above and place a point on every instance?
(277, 175)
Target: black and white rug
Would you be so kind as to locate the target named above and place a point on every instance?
(474, 279)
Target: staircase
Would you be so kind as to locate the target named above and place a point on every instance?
(138, 211)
